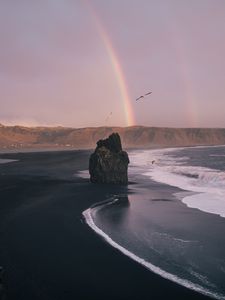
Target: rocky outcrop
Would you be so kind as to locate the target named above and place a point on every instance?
(109, 163)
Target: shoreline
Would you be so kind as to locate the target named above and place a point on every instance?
(71, 149)
(48, 253)
(149, 266)
(90, 220)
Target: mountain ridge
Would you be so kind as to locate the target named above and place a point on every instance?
(21, 137)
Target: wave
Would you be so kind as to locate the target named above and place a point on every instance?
(207, 184)
(5, 161)
(83, 174)
(172, 277)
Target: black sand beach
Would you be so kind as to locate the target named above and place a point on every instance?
(47, 250)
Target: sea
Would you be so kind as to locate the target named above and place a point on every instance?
(172, 221)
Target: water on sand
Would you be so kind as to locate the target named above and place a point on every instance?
(180, 240)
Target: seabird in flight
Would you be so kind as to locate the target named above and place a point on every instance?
(142, 96)
(108, 116)
(139, 98)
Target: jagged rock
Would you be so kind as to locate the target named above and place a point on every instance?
(109, 163)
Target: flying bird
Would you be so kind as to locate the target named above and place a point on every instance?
(108, 116)
(142, 96)
(139, 98)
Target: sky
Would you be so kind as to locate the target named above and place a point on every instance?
(82, 63)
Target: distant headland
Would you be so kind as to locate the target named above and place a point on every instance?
(20, 137)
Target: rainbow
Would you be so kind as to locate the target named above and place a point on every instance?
(116, 65)
(190, 99)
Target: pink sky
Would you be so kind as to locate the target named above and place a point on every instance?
(55, 68)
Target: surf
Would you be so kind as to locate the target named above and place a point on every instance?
(207, 186)
(157, 230)
(89, 219)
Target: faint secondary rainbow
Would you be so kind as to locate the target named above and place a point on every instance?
(190, 98)
(189, 94)
(128, 110)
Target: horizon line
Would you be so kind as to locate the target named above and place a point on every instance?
(103, 126)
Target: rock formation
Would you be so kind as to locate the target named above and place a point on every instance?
(109, 163)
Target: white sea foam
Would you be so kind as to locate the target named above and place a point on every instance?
(83, 174)
(5, 161)
(89, 220)
(208, 183)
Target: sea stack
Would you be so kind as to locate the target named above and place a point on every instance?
(109, 163)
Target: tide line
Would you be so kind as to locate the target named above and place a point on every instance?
(90, 222)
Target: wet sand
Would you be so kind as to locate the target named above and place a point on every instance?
(49, 252)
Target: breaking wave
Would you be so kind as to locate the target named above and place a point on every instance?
(88, 215)
(208, 185)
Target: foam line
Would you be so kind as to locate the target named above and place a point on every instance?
(5, 161)
(89, 220)
(170, 170)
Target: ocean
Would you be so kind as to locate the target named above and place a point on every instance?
(173, 219)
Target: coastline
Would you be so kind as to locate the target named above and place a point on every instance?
(144, 263)
(87, 214)
(94, 214)
(48, 253)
